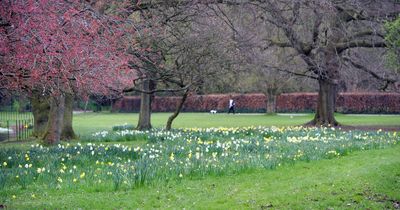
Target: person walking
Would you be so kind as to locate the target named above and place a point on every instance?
(231, 106)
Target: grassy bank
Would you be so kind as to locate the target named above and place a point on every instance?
(367, 179)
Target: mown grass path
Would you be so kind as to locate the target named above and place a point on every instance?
(88, 123)
(361, 180)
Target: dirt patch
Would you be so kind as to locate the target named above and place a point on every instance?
(370, 128)
(364, 127)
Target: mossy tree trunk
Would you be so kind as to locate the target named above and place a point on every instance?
(40, 111)
(67, 129)
(55, 121)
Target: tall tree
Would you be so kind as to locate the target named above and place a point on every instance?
(319, 34)
(61, 48)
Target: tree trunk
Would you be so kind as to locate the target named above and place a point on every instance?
(40, 111)
(55, 123)
(328, 85)
(86, 104)
(144, 122)
(67, 130)
(329, 76)
(177, 111)
(271, 105)
(326, 105)
(271, 101)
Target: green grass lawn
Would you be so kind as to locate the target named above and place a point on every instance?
(361, 180)
(90, 122)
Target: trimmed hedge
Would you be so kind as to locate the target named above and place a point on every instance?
(296, 102)
(385, 103)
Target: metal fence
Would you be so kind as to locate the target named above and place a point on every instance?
(15, 125)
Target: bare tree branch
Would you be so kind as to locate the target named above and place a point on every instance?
(386, 80)
(340, 47)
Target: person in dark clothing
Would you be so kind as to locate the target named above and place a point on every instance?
(231, 106)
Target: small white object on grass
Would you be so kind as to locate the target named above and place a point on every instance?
(213, 111)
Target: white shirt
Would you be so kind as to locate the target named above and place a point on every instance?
(231, 103)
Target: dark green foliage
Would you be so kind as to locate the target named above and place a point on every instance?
(393, 42)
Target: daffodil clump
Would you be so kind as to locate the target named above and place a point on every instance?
(132, 135)
(174, 155)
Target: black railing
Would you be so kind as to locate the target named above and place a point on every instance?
(15, 125)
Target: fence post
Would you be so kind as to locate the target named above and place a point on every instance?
(8, 130)
(25, 129)
(19, 130)
(29, 131)
(29, 128)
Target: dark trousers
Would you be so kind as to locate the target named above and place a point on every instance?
(231, 109)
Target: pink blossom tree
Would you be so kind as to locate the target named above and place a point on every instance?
(54, 50)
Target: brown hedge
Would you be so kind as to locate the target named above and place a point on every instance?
(290, 102)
